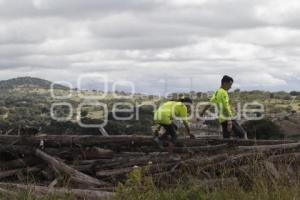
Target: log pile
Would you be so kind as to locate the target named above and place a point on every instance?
(92, 166)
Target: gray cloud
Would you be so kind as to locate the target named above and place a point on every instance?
(151, 41)
(70, 8)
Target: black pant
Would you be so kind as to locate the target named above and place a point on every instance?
(170, 130)
(236, 128)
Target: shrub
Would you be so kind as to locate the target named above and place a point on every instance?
(263, 129)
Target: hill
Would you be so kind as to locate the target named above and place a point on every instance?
(29, 82)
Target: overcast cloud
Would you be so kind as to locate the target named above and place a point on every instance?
(175, 44)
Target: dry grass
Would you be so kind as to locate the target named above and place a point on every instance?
(258, 184)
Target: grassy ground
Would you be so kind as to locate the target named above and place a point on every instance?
(141, 187)
(29, 196)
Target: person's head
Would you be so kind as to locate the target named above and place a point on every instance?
(187, 102)
(226, 82)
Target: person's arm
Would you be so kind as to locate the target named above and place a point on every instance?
(183, 113)
(187, 128)
(228, 110)
(227, 107)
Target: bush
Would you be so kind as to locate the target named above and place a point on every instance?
(137, 187)
(263, 129)
(294, 93)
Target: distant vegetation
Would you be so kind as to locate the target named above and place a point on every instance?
(26, 102)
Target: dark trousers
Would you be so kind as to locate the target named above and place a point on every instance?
(237, 130)
(170, 131)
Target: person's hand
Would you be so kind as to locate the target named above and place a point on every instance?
(229, 127)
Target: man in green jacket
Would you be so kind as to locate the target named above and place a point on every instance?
(225, 113)
(165, 115)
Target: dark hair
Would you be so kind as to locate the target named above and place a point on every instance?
(226, 79)
(186, 100)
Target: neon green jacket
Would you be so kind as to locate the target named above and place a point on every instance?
(169, 111)
(221, 99)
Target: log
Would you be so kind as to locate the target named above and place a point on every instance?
(124, 171)
(272, 148)
(96, 153)
(209, 148)
(5, 174)
(74, 175)
(121, 162)
(125, 162)
(87, 169)
(73, 140)
(65, 153)
(254, 142)
(234, 161)
(16, 150)
(83, 158)
(114, 172)
(130, 154)
(28, 161)
(41, 191)
(120, 141)
(201, 162)
(121, 158)
(74, 153)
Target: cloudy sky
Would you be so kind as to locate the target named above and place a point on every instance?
(159, 45)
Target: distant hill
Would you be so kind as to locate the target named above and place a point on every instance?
(29, 82)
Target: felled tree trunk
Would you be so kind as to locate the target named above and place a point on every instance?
(120, 141)
(74, 175)
(41, 191)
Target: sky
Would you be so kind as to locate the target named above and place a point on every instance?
(154, 45)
